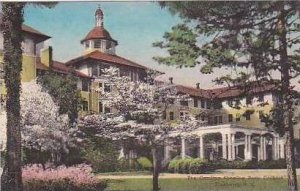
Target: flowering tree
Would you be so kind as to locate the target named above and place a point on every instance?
(141, 115)
(43, 128)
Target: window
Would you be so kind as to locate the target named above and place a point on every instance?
(238, 117)
(108, 45)
(202, 118)
(209, 120)
(85, 85)
(184, 103)
(85, 106)
(261, 98)
(87, 44)
(249, 100)
(164, 115)
(107, 88)
(94, 70)
(230, 118)
(107, 109)
(195, 102)
(183, 115)
(220, 119)
(171, 100)
(100, 107)
(208, 104)
(101, 69)
(260, 114)
(217, 104)
(230, 103)
(171, 115)
(216, 120)
(248, 116)
(97, 44)
(202, 104)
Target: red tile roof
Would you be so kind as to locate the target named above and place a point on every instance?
(227, 92)
(31, 30)
(97, 55)
(60, 68)
(27, 29)
(193, 91)
(98, 32)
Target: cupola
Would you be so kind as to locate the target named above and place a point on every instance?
(99, 38)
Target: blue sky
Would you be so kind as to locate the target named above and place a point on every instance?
(136, 25)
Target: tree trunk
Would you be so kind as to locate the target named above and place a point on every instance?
(156, 168)
(287, 103)
(12, 33)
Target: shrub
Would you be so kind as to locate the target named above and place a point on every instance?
(102, 154)
(199, 166)
(192, 166)
(145, 163)
(223, 164)
(272, 164)
(76, 178)
(173, 166)
(126, 165)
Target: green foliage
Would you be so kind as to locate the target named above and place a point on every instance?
(181, 41)
(102, 154)
(63, 89)
(31, 156)
(144, 163)
(127, 165)
(62, 185)
(198, 166)
(190, 166)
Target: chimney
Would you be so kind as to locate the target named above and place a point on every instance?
(198, 85)
(171, 80)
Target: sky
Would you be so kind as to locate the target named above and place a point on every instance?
(135, 25)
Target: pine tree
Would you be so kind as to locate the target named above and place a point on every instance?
(254, 39)
(12, 34)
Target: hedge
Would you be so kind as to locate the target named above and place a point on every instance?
(192, 166)
(198, 166)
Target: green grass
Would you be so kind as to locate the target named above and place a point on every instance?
(200, 185)
(133, 173)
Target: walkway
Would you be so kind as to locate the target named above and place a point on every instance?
(224, 173)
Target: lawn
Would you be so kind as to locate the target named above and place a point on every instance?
(211, 184)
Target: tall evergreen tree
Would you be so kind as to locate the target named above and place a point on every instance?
(12, 34)
(254, 39)
(12, 27)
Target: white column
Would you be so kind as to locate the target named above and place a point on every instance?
(282, 148)
(229, 148)
(233, 146)
(275, 148)
(261, 155)
(224, 146)
(167, 152)
(248, 148)
(264, 148)
(201, 147)
(122, 154)
(182, 148)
